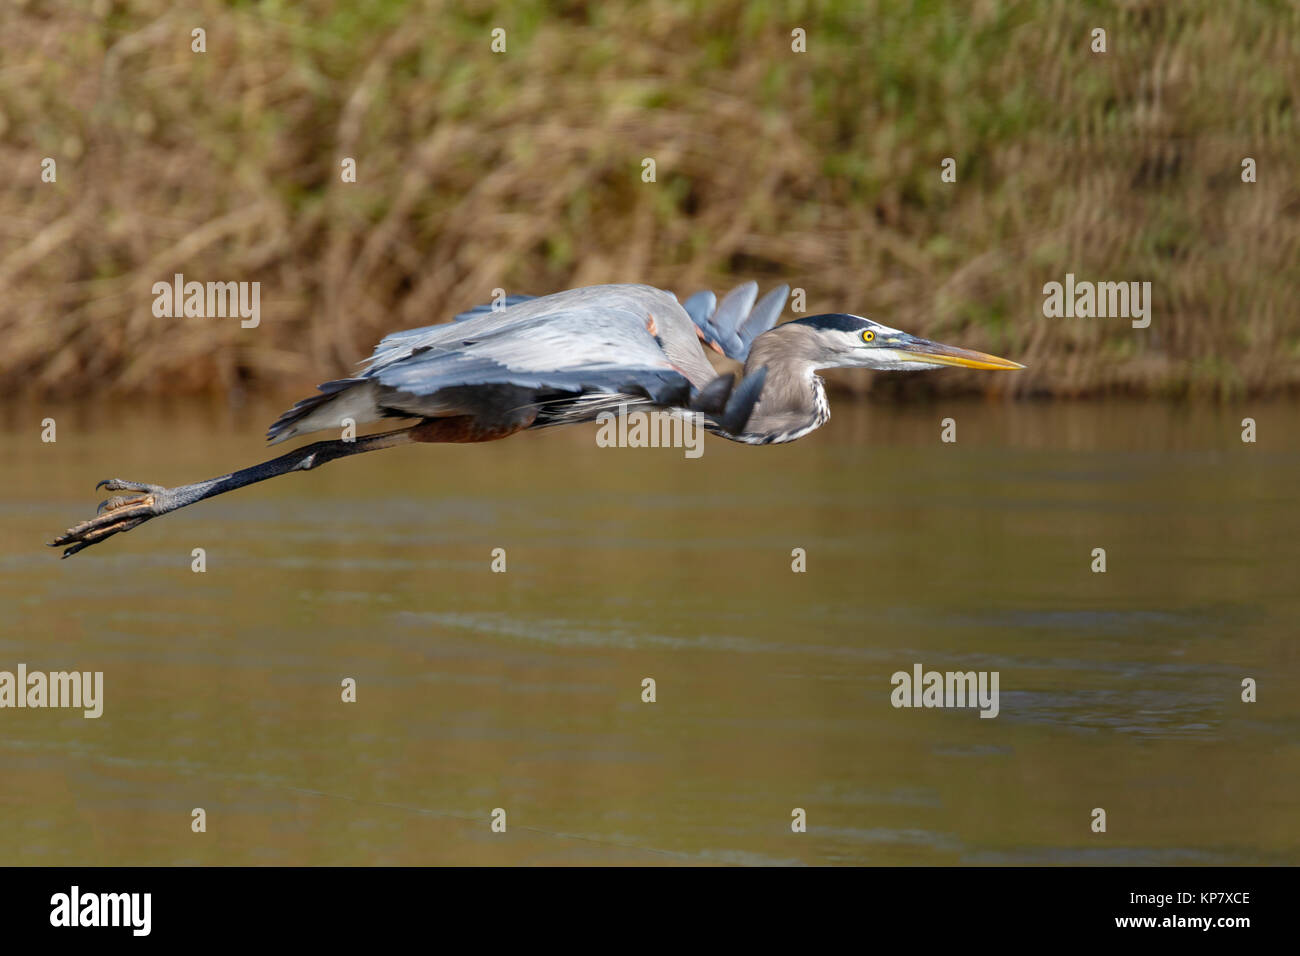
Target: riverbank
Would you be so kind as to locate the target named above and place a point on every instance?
(524, 170)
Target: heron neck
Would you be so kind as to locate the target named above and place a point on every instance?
(793, 402)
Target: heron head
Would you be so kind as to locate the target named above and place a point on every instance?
(850, 341)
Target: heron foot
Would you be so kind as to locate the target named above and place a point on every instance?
(115, 515)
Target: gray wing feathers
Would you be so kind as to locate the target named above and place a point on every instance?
(732, 310)
(327, 392)
(700, 306)
(612, 309)
(763, 316)
(733, 324)
(611, 351)
(507, 302)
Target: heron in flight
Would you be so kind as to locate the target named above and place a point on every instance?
(562, 359)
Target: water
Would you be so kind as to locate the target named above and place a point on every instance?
(522, 690)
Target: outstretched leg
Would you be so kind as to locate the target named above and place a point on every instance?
(122, 513)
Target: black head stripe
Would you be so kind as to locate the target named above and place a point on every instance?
(835, 322)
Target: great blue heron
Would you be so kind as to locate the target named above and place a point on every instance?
(566, 358)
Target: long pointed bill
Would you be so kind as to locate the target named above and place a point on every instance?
(912, 349)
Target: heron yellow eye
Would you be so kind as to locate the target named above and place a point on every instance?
(868, 335)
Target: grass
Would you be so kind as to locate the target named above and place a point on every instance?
(522, 171)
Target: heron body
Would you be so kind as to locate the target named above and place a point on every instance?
(559, 359)
(563, 359)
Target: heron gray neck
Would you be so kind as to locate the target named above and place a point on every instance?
(794, 399)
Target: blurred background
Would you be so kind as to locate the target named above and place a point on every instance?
(522, 170)
(522, 691)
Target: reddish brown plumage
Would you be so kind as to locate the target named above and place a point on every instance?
(464, 429)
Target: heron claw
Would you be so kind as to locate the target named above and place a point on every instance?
(114, 515)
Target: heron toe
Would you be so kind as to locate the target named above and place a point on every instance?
(119, 484)
(119, 501)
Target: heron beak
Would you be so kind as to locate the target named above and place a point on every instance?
(912, 349)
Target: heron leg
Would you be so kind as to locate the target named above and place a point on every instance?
(122, 513)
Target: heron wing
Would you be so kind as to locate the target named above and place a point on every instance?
(615, 340)
(575, 351)
(732, 325)
(592, 328)
(478, 310)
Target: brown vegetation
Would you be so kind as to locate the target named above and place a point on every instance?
(522, 170)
